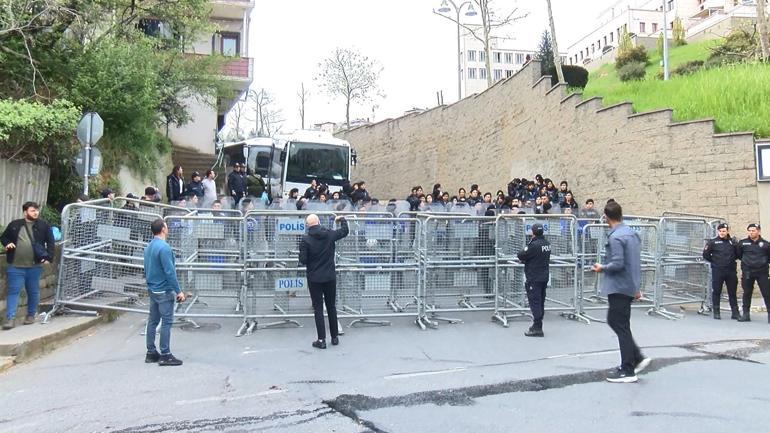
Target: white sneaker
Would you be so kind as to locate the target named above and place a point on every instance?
(644, 363)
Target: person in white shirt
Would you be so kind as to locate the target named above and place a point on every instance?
(209, 190)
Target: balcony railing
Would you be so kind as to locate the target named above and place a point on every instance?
(241, 67)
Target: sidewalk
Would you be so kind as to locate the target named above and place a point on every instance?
(27, 342)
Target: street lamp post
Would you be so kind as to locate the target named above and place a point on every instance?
(443, 9)
(665, 42)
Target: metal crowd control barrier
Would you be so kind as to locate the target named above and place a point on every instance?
(275, 283)
(422, 265)
(101, 264)
(512, 234)
(682, 272)
(209, 265)
(593, 248)
(378, 269)
(457, 255)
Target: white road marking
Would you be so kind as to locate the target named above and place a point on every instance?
(249, 352)
(424, 373)
(227, 399)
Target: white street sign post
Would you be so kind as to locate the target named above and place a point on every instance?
(90, 130)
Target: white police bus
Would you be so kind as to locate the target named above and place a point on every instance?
(293, 160)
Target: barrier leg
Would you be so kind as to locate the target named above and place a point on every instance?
(242, 330)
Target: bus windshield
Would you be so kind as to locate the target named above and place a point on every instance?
(329, 164)
(260, 162)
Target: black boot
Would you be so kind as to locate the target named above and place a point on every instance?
(717, 314)
(746, 317)
(735, 314)
(535, 331)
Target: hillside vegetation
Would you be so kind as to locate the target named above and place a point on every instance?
(736, 96)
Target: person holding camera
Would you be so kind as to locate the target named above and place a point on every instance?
(29, 244)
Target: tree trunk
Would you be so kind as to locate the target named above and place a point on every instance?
(556, 56)
(347, 112)
(762, 26)
(484, 6)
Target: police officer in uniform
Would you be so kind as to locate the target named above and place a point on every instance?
(721, 253)
(536, 256)
(754, 253)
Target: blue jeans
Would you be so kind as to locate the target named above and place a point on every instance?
(161, 311)
(23, 277)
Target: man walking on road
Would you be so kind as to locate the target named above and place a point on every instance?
(721, 253)
(621, 284)
(29, 244)
(536, 257)
(160, 274)
(754, 252)
(316, 252)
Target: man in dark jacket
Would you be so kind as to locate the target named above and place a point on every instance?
(175, 184)
(721, 253)
(754, 253)
(536, 257)
(622, 269)
(316, 252)
(236, 184)
(29, 244)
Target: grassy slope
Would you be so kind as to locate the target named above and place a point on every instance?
(738, 97)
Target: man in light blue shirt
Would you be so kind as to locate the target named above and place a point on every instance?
(163, 287)
(621, 284)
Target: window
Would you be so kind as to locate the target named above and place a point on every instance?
(328, 164)
(670, 5)
(471, 73)
(612, 37)
(598, 44)
(508, 73)
(482, 56)
(509, 58)
(497, 56)
(605, 40)
(227, 44)
(482, 73)
(581, 54)
(498, 74)
(642, 28)
(472, 55)
(519, 58)
(593, 48)
(654, 27)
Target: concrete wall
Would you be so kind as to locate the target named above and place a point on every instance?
(135, 184)
(522, 126)
(20, 183)
(200, 131)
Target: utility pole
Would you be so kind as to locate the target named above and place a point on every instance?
(556, 55)
(665, 42)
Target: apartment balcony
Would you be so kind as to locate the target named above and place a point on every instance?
(231, 9)
(239, 68)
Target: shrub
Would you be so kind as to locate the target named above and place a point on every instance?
(688, 68)
(679, 33)
(575, 76)
(739, 46)
(50, 215)
(632, 71)
(632, 55)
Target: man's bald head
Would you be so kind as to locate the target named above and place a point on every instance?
(312, 220)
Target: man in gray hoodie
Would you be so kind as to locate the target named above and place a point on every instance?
(621, 283)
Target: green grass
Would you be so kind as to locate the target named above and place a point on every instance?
(736, 96)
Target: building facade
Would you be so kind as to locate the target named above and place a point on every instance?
(232, 20)
(506, 60)
(643, 19)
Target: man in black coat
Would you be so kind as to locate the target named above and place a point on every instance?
(721, 253)
(29, 244)
(316, 252)
(175, 184)
(236, 184)
(754, 252)
(536, 257)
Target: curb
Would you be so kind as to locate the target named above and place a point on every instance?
(38, 346)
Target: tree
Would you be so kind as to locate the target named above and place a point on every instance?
(625, 44)
(492, 21)
(678, 33)
(351, 75)
(269, 119)
(545, 53)
(237, 119)
(302, 94)
(762, 27)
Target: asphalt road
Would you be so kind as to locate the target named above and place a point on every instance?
(706, 375)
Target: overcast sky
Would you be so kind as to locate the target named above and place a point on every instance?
(288, 39)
